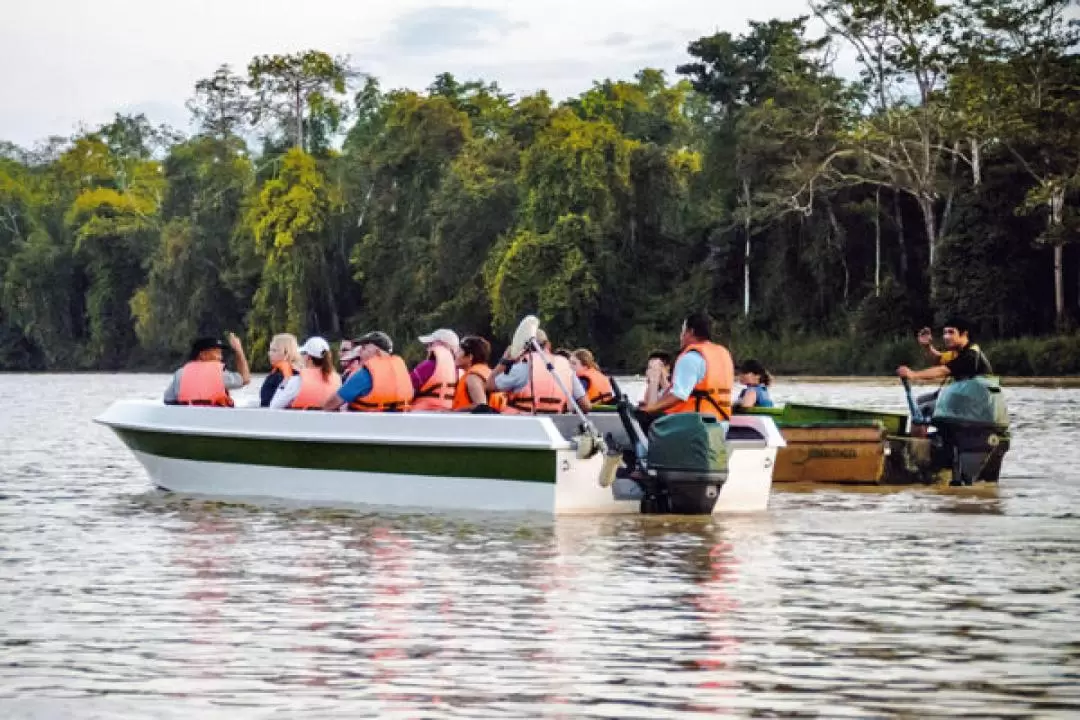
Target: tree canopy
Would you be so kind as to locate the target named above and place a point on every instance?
(756, 184)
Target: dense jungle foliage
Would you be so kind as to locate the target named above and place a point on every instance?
(819, 219)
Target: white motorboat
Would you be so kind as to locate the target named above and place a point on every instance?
(542, 463)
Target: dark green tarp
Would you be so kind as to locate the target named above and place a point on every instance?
(687, 441)
(977, 401)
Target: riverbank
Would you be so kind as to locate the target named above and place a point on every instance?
(1069, 381)
(1041, 361)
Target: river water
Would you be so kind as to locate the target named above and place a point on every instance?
(116, 601)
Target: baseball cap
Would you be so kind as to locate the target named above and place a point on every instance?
(377, 338)
(443, 335)
(315, 347)
(206, 343)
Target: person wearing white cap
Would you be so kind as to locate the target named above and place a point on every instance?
(314, 384)
(435, 379)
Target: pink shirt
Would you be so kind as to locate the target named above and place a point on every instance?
(422, 373)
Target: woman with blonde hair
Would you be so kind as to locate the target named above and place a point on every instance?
(284, 355)
(596, 383)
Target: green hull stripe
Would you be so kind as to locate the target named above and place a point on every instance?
(487, 463)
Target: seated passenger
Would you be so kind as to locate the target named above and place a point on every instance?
(471, 394)
(757, 380)
(381, 384)
(285, 362)
(434, 381)
(657, 375)
(204, 379)
(531, 388)
(347, 366)
(314, 384)
(702, 379)
(962, 360)
(597, 385)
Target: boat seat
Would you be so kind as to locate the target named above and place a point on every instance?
(741, 432)
(570, 426)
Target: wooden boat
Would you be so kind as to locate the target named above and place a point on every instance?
(825, 444)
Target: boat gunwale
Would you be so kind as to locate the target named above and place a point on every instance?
(286, 435)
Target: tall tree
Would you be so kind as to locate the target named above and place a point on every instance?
(905, 49)
(221, 106)
(1029, 95)
(298, 90)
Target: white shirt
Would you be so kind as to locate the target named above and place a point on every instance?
(286, 393)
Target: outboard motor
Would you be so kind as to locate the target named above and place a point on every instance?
(972, 423)
(681, 465)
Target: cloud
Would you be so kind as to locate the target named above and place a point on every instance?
(617, 39)
(438, 29)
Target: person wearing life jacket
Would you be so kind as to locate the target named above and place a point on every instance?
(348, 367)
(203, 380)
(703, 376)
(531, 388)
(962, 359)
(756, 381)
(285, 362)
(315, 383)
(435, 379)
(597, 385)
(471, 394)
(381, 384)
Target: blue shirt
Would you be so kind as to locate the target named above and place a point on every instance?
(358, 385)
(517, 377)
(762, 392)
(689, 371)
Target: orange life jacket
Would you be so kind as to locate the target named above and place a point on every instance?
(391, 387)
(712, 395)
(599, 388)
(285, 368)
(202, 382)
(437, 393)
(541, 393)
(495, 400)
(314, 389)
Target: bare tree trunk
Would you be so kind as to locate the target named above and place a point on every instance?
(1057, 212)
(299, 120)
(976, 162)
(877, 242)
(947, 212)
(837, 234)
(746, 253)
(898, 212)
(926, 204)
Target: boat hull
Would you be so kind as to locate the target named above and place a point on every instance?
(414, 460)
(846, 446)
(832, 453)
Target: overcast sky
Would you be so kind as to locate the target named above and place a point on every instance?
(66, 62)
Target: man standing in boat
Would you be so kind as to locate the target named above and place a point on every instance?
(703, 377)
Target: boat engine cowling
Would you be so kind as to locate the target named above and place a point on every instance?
(972, 424)
(686, 465)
